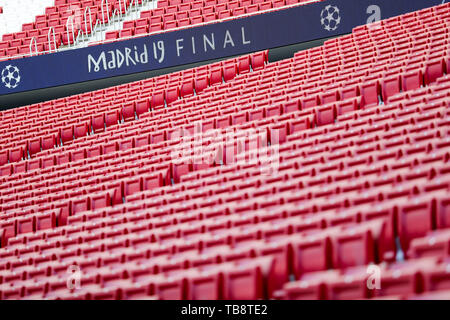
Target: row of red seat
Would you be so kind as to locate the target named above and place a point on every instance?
(418, 74)
(399, 281)
(61, 134)
(142, 141)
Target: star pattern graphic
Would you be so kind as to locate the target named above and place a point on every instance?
(330, 18)
(10, 76)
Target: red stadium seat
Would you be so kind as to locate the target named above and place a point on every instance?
(128, 111)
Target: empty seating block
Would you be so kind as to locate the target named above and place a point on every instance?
(240, 179)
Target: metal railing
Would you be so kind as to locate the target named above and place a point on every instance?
(33, 40)
(70, 19)
(122, 7)
(133, 3)
(50, 31)
(103, 12)
(86, 30)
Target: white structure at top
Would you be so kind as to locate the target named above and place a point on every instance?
(116, 22)
(18, 12)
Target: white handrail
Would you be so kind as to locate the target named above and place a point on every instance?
(85, 21)
(107, 11)
(120, 7)
(67, 31)
(135, 2)
(79, 35)
(35, 46)
(97, 24)
(113, 20)
(49, 39)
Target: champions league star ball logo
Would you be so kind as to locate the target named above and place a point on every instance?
(330, 18)
(10, 76)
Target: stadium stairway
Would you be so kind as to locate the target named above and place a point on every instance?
(242, 179)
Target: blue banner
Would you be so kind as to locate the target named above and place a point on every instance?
(234, 37)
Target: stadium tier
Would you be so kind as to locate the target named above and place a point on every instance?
(242, 179)
(176, 14)
(62, 23)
